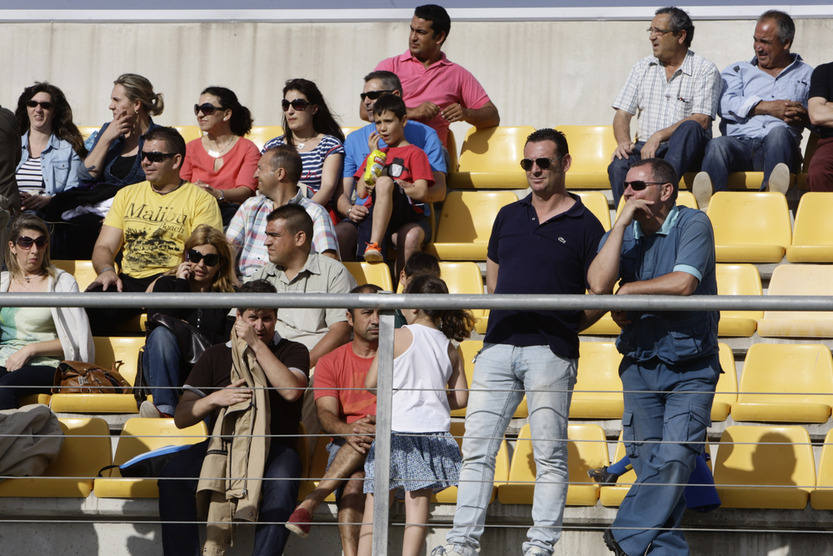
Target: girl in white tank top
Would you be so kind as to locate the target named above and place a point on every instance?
(424, 456)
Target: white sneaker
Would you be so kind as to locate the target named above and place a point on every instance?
(779, 179)
(702, 189)
(148, 410)
(447, 550)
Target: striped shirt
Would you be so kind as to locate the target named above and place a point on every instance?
(313, 161)
(659, 102)
(30, 177)
(247, 231)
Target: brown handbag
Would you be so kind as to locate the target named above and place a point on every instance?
(77, 377)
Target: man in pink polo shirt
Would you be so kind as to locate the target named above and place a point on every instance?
(438, 91)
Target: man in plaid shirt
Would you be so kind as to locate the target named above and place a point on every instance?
(277, 175)
(675, 94)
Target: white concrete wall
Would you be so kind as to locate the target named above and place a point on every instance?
(537, 73)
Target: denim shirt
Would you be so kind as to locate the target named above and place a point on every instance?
(136, 173)
(684, 243)
(59, 163)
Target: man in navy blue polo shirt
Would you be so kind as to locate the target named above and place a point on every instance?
(670, 361)
(542, 244)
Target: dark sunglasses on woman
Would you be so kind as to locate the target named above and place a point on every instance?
(26, 242)
(206, 108)
(211, 259)
(44, 105)
(298, 104)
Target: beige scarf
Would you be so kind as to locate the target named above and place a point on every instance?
(237, 451)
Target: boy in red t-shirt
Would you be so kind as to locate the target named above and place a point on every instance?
(398, 192)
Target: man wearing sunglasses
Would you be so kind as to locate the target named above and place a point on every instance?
(675, 92)
(542, 244)
(356, 149)
(438, 91)
(670, 364)
(149, 222)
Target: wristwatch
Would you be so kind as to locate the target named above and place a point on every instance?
(222, 196)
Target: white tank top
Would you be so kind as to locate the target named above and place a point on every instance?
(424, 365)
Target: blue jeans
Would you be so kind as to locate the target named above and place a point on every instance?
(177, 501)
(162, 364)
(501, 374)
(671, 404)
(742, 154)
(683, 150)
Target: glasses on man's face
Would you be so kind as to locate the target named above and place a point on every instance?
(639, 185)
(298, 104)
(656, 31)
(26, 242)
(35, 103)
(542, 163)
(373, 95)
(156, 156)
(210, 259)
(206, 108)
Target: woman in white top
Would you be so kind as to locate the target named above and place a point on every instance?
(34, 340)
(51, 144)
(425, 361)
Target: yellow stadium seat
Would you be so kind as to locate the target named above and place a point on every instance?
(684, 199)
(772, 466)
(465, 277)
(367, 273)
(813, 230)
(107, 351)
(596, 202)
(727, 385)
(738, 279)
(449, 495)
(822, 497)
(598, 390)
(83, 271)
(468, 350)
(466, 224)
(260, 134)
(790, 383)
(605, 326)
(138, 436)
(799, 279)
(586, 449)
(750, 227)
(189, 132)
(490, 159)
(85, 450)
(591, 148)
(87, 130)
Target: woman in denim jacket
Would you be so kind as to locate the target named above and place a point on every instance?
(51, 145)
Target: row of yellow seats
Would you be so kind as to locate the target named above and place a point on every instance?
(750, 226)
(489, 159)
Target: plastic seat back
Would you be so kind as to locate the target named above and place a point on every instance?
(764, 467)
(466, 223)
(822, 497)
(738, 279)
(189, 132)
(489, 159)
(83, 271)
(260, 134)
(598, 390)
(750, 227)
(465, 277)
(799, 279)
(591, 147)
(726, 391)
(366, 273)
(596, 202)
(785, 383)
(812, 240)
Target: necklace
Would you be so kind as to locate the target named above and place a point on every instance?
(300, 146)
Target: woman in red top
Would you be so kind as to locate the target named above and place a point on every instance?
(222, 162)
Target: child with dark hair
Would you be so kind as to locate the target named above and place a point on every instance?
(418, 263)
(397, 188)
(424, 456)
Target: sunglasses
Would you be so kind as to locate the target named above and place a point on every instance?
(206, 108)
(373, 95)
(639, 185)
(25, 242)
(298, 104)
(156, 156)
(211, 259)
(44, 105)
(543, 163)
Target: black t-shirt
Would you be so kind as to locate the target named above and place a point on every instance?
(213, 370)
(214, 323)
(821, 85)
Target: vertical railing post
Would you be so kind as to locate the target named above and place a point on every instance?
(381, 467)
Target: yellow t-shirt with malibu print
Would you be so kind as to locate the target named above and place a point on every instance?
(156, 226)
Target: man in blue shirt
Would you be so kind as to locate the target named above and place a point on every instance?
(542, 244)
(670, 361)
(763, 109)
(356, 150)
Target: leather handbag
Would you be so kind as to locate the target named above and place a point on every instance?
(190, 340)
(77, 377)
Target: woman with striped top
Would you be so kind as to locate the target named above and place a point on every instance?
(310, 128)
(51, 144)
